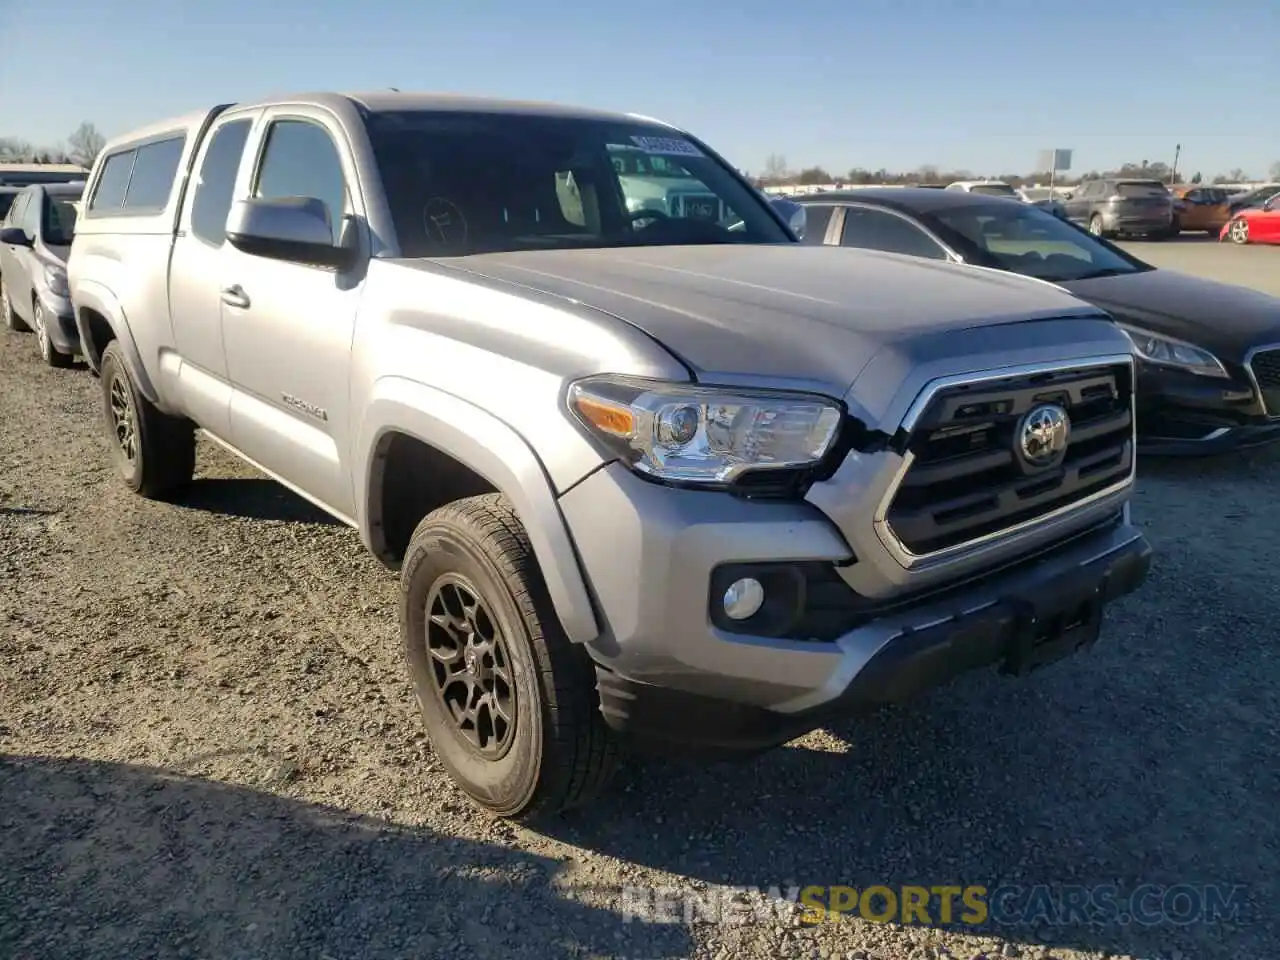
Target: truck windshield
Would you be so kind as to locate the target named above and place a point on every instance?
(460, 183)
(1029, 241)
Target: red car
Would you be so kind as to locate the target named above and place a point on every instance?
(1254, 225)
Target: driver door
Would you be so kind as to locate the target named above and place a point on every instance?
(288, 326)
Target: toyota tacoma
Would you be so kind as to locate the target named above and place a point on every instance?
(652, 473)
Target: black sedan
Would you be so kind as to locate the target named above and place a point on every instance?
(1208, 353)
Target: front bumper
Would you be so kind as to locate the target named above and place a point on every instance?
(1184, 414)
(668, 673)
(61, 325)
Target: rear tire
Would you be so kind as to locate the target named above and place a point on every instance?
(11, 319)
(48, 352)
(482, 642)
(154, 453)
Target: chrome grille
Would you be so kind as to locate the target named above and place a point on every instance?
(965, 480)
(1264, 365)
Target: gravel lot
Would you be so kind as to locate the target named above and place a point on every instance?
(208, 747)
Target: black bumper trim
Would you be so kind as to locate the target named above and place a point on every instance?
(1018, 634)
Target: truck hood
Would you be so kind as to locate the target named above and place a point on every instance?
(784, 311)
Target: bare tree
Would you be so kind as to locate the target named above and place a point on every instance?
(775, 167)
(1236, 174)
(86, 143)
(1275, 170)
(13, 150)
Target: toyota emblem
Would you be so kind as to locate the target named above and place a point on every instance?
(1043, 435)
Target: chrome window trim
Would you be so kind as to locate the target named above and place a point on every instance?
(1248, 368)
(912, 561)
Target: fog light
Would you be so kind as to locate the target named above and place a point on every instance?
(743, 598)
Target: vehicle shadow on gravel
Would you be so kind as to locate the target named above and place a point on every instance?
(252, 498)
(106, 860)
(991, 782)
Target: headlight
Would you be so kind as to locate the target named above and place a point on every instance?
(1166, 351)
(55, 278)
(708, 435)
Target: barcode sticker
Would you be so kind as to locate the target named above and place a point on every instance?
(671, 146)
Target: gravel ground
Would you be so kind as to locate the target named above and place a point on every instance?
(208, 748)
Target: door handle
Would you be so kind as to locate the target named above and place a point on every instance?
(234, 296)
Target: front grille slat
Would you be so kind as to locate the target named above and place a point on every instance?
(966, 480)
(1265, 366)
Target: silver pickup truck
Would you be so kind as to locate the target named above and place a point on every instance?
(652, 474)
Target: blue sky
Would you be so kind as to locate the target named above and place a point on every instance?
(977, 84)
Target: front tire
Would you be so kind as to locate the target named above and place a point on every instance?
(1239, 232)
(48, 352)
(1095, 226)
(12, 321)
(154, 453)
(509, 702)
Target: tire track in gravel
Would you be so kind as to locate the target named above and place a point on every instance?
(209, 747)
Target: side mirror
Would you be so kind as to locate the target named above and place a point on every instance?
(296, 229)
(15, 236)
(795, 214)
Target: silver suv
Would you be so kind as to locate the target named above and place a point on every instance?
(652, 473)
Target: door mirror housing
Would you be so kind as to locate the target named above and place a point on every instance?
(15, 236)
(296, 229)
(794, 213)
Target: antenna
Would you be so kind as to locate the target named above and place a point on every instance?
(394, 89)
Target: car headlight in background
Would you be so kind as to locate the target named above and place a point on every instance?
(1170, 352)
(706, 435)
(55, 278)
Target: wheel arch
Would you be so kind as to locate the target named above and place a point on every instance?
(453, 434)
(100, 319)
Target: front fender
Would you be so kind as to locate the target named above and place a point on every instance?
(90, 295)
(500, 455)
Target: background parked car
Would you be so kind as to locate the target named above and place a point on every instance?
(1252, 198)
(1255, 224)
(1122, 206)
(35, 241)
(1209, 353)
(1045, 198)
(25, 174)
(1201, 208)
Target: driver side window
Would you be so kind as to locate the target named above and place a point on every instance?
(300, 160)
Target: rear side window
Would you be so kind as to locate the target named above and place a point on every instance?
(217, 181)
(876, 230)
(154, 170)
(6, 201)
(114, 181)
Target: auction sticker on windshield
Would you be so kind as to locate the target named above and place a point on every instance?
(672, 146)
